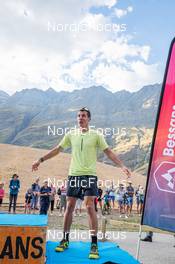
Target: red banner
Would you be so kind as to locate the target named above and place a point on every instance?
(159, 208)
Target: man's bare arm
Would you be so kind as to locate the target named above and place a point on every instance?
(112, 156)
(52, 153)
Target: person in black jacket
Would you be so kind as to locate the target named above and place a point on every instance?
(45, 193)
(35, 194)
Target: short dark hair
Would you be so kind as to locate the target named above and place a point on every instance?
(15, 175)
(86, 110)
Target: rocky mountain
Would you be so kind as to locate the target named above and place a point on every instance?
(30, 117)
(3, 97)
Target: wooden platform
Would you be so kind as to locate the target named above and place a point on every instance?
(22, 238)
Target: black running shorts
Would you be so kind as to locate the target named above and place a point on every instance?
(80, 186)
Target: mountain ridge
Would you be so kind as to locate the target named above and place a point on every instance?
(26, 115)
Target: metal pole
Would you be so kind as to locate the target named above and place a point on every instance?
(138, 243)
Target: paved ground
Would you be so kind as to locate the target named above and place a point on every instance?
(160, 251)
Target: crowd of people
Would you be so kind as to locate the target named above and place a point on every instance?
(41, 198)
(124, 196)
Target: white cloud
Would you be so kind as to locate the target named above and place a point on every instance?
(123, 12)
(108, 3)
(133, 77)
(120, 12)
(32, 56)
(79, 70)
(130, 8)
(120, 49)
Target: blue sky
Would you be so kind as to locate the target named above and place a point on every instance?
(152, 22)
(43, 43)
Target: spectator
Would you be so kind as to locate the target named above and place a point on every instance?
(58, 201)
(78, 206)
(130, 194)
(14, 189)
(125, 202)
(112, 196)
(106, 205)
(45, 193)
(99, 197)
(137, 198)
(120, 198)
(59, 192)
(35, 194)
(63, 199)
(28, 199)
(141, 199)
(1, 192)
(52, 198)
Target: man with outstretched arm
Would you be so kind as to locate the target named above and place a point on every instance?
(82, 179)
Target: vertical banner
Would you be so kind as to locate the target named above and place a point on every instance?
(159, 207)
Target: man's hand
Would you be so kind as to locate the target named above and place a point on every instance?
(112, 156)
(126, 171)
(35, 165)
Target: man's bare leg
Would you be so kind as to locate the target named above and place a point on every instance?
(93, 222)
(71, 201)
(93, 226)
(68, 215)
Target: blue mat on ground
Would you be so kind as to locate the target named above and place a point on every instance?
(23, 220)
(78, 253)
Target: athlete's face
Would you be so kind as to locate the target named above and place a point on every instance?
(83, 119)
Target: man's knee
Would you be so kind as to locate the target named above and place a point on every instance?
(70, 207)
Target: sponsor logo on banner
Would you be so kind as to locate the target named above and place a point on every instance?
(164, 177)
